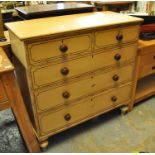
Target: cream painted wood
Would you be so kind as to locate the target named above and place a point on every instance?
(82, 110)
(52, 73)
(108, 38)
(45, 50)
(103, 100)
(44, 75)
(107, 58)
(105, 80)
(76, 111)
(29, 29)
(52, 97)
(18, 48)
(92, 45)
(47, 98)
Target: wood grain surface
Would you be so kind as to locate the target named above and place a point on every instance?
(69, 23)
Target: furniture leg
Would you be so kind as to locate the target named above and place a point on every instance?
(124, 109)
(20, 112)
(44, 145)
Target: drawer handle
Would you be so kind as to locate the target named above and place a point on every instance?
(117, 57)
(119, 37)
(115, 77)
(64, 71)
(153, 68)
(66, 94)
(63, 48)
(67, 117)
(114, 98)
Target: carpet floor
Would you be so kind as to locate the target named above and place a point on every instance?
(110, 132)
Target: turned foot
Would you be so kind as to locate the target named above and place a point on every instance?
(124, 110)
(44, 145)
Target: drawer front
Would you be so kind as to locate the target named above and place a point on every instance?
(114, 57)
(147, 58)
(116, 36)
(52, 97)
(113, 78)
(58, 48)
(60, 72)
(70, 92)
(112, 98)
(147, 70)
(3, 96)
(71, 115)
(63, 118)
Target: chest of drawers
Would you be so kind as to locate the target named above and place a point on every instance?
(76, 70)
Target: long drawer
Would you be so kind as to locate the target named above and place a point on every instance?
(70, 115)
(116, 36)
(52, 49)
(46, 75)
(3, 96)
(51, 97)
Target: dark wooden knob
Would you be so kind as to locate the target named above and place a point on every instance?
(67, 117)
(63, 48)
(119, 37)
(153, 68)
(115, 77)
(64, 71)
(117, 57)
(114, 98)
(66, 94)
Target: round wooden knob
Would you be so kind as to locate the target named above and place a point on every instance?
(64, 71)
(114, 98)
(119, 37)
(67, 117)
(115, 77)
(63, 48)
(66, 94)
(117, 57)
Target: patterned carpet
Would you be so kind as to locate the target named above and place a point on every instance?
(10, 138)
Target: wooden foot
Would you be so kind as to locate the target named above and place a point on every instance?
(44, 145)
(124, 110)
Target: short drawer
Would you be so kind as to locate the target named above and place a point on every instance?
(113, 78)
(114, 57)
(116, 36)
(57, 120)
(61, 72)
(68, 93)
(112, 98)
(3, 96)
(146, 70)
(53, 49)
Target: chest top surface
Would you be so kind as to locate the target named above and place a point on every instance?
(69, 23)
(5, 64)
